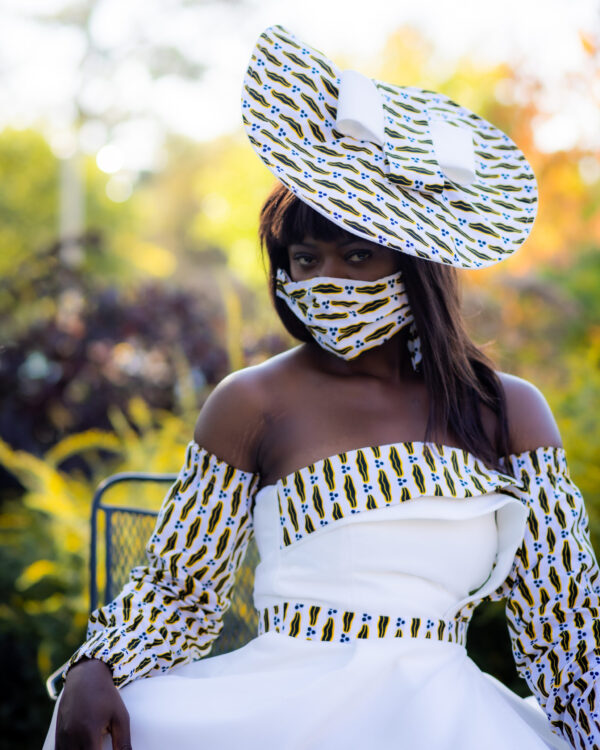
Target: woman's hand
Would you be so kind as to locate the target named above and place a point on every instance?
(91, 707)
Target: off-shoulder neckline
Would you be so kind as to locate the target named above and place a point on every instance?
(397, 444)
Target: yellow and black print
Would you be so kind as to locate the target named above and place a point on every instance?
(171, 610)
(553, 598)
(369, 478)
(345, 316)
(395, 195)
(316, 622)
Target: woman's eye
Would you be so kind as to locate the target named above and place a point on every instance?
(303, 260)
(358, 255)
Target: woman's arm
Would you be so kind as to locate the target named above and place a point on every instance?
(530, 419)
(553, 590)
(171, 610)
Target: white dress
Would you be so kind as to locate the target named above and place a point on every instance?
(426, 557)
(372, 562)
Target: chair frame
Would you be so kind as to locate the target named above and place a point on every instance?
(108, 510)
(54, 681)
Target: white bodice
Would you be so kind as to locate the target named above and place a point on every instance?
(421, 557)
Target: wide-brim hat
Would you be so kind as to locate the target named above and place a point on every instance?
(401, 166)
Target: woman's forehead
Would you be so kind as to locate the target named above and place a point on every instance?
(342, 241)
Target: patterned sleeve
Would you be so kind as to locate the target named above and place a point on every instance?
(553, 598)
(171, 610)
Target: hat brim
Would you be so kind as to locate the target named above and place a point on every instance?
(289, 109)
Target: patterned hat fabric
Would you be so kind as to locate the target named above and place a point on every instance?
(398, 192)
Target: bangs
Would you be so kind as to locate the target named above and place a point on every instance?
(286, 220)
(301, 221)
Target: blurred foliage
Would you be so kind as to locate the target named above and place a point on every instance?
(210, 196)
(107, 353)
(28, 177)
(44, 549)
(98, 346)
(86, 338)
(29, 205)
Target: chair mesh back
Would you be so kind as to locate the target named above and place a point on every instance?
(127, 534)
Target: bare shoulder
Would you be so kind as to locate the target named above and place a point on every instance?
(232, 420)
(530, 419)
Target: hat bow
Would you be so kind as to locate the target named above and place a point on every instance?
(421, 148)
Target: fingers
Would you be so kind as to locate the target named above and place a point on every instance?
(88, 738)
(81, 741)
(91, 708)
(119, 729)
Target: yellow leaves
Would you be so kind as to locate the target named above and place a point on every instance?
(125, 433)
(61, 496)
(49, 527)
(79, 443)
(43, 606)
(32, 472)
(71, 539)
(65, 498)
(54, 501)
(44, 659)
(150, 258)
(140, 413)
(233, 316)
(35, 572)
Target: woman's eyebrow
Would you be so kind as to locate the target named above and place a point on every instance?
(351, 240)
(303, 244)
(341, 243)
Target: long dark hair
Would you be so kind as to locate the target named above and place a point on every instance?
(458, 376)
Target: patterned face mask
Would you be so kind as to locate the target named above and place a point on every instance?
(347, 317)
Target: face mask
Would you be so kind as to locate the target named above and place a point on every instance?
(347, 317)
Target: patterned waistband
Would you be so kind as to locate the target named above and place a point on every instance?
(323, 623)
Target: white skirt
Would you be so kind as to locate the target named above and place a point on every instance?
(293, 694)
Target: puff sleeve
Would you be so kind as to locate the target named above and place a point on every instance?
(171, 610)
(553, 598)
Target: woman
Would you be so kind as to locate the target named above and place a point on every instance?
(393, 480)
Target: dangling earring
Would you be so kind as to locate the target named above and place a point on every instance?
(414, 347)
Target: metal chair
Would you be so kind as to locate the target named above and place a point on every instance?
(126, 531)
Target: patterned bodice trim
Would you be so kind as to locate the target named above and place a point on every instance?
(375, 477)
(315, 622)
